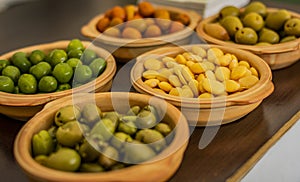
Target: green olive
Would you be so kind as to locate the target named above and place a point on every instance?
(119, 139)
(12, 71)
(137, 152)
(57, 56)
(152, 137)
(69, 134)
(20, 60)
(146, 119)
(74, 62)
(108, 157)
(75, 53)
(65, 159)
(91, 167)
(75, 44)
(7, 84)
(63, 86)
(42, 143)
(3, 63)
(97, 66)
(66, 114)
(47, 84)
(41, 69)
(105, 127)
(82, 74)
(163, 128)
(91, 112)
(87, 152)
(27, 84)
(88, 56)
(63, 72)
(37, 56)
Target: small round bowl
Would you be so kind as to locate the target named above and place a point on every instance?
(206, 111)
(24, 106)
(160, 168)
(277, 55)
(125, 50)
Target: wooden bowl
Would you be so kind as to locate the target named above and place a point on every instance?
(277, 55)
(205, 111)
(24, 106)
(125, 50)
(160, 168)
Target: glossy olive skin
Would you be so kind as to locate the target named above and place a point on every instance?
(69, 134)
(88, 56)
(27, 84)
(97, 66)
(4, 63)
(82, 74)
(63, 72)
(57, 56)
(75, 44)
(42, 143)
(66, 114)
(47, 84)
(7, 84)
(40, 69)
(20, 60)
(37, 56)
(12, 71)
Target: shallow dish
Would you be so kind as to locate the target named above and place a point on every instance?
(125, 50)
(22, 107)
(206, 111)
(277, 55)
(160, 168)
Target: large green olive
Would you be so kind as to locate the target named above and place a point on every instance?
(87, 152)
(41, 69)
(7, 84)
(82, 74)
(42, 143)
(292, 27)
(257, 7)
(75, 53)
(229, 11)
(47, 84)
(137, 152)
(88, 56)
(37, 56)
(3, 63)
(275, 20)
(105, 128)
(246, 36)
(163, 128)
(146, 119)
(66, 114)
(12, 71)
(65, 159)
(57, 56)
(97, 66)
(232, 24)
(119, 139)
(91, 167)
(75, 44)
(74, 62)
(27, 84)
(152, 137)
(108, 157)
(63, 72)
(69, 134)
(91, 112)
(20, 60)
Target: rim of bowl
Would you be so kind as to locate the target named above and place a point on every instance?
(10, 99)
(22, 142)
(268, 49)
(263, 88)
(91, 31)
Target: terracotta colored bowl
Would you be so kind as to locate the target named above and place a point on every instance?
(205, 111)
(22, 107)
(125, 50)
(160, 168)
(277, 55)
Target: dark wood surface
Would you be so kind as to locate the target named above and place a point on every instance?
(50, 20)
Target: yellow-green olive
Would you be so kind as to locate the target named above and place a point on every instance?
(42, 143)
(66, 114)
(69, 134)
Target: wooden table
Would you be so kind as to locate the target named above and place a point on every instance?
(235, 143)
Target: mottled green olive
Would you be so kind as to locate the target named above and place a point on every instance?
(57, 56)
(75, 53)
(152, 137)
(97, 66)
(42, 143)
(108, 157)
(88, 56)
(91, 167)
(27, 84)
(75, 44)
(137, 152)
(127, 126)
(12, 71)
(91, 112)
(163, 128)
(63, 86)
(146, 119)
(87, 152)
(63, 72)
(82, 74)
(105, 127)
(69, 134)
(47, 84)
(66, 114)
(65, 159)
(134, 110)
(119, 139)
(37, 56)
(41, 69)
(20, 60)
(74, 62)
(3, 63)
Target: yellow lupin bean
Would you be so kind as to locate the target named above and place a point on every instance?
(168, 59)
(177, 71)
(187, 74)
(174, 80)
(166, 72)
(180, 59)
(171, 64)
(200, 87)
(231, 86)
(248, 81)
(199, 51)
(193, 84)
(174, 91)
(225, 59)
(152, 82)
(214, 53)
(153, 64)
(209, 65)
(254, 71)
(205, 95)
(198, 68)
(200, 77)
(244, 63)
(213, 86)
(210, 75)
(234, 63)
(192, 57)
(189, 63)
(165, 86)
(238, 72)
(150, 74)
(187, 92)
(159, 90)
(222, 73)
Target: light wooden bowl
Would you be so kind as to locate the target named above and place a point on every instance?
(205, 111)
(161, 168)
(24, 106)
(125, 50)
(277, 55)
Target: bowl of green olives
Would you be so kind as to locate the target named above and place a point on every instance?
(134, 29)
(112, 136)
(271, 33)
(32, 76)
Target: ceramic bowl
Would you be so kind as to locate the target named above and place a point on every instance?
(23, 106)
(125, 50)
(277, 55)
(160, 168)
(206, 111)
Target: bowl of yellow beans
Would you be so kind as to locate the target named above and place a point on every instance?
(103, 137)
(210, 84)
